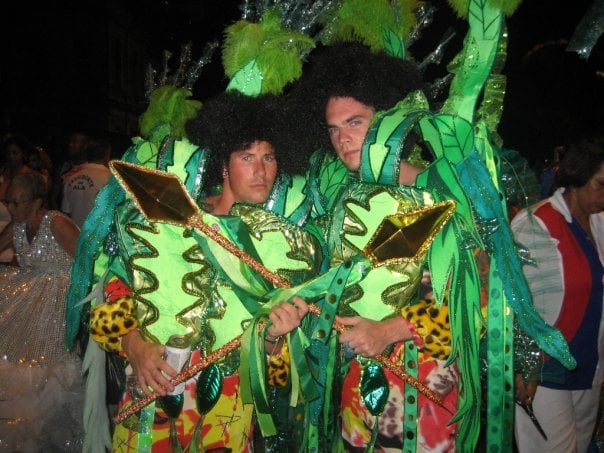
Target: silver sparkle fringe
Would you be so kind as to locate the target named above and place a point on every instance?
(185, 59)
(150, 83)
(296, 15)
(163, 80)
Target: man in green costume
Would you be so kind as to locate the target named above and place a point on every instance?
(463, 169)
(157, 279)
(348, 98)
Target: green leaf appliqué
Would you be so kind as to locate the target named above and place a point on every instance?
(374, 388)
(209, 388)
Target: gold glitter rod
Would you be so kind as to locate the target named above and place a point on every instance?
(229, 347)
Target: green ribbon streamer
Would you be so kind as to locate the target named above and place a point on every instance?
(498, 242)
(302, 372)
(452, 266)
(500, 373)
(411, 399)
(253, 367)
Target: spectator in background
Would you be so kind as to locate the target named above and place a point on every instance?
(82, 183)
(16, 151)
(40, 161)
(564, 235)
(6, 255)
(75, 156)
(41, 386)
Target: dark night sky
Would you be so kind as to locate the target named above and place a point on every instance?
(552, 95)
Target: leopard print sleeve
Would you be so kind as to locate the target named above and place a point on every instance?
(278, 367)
(432, 325)
(114, 318)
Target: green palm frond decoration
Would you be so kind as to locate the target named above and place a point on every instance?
(265, 51)
(379, 24)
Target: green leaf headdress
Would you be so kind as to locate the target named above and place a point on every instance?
(263, 57)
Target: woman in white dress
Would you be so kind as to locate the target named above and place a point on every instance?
(41, 388)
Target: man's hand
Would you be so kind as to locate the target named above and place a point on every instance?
(369, 338)
(525, 391)
(286, 316)
(147, 360)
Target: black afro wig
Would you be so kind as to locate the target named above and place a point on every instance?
(347, 70)
(232, 121)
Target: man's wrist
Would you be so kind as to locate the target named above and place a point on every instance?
(270, 339)
(127, 338)
(405, 331)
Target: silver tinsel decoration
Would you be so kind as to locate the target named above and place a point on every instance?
(185, 75)
(435, 57)
(192, 74)
(185, 59)
(425, 17)
(150, 84)
(163, 79)
(297, 15)
(588, 31)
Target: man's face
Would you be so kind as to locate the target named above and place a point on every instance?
(252, 172)
(347, 123)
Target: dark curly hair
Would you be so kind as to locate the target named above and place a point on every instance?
(346, 70)
(581, 161)
(26, 147)
(232, 122)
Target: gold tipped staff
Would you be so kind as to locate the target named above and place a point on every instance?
(229, 347)
(161, 197)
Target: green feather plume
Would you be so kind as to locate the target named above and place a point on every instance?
(243, 42)
(508, 7)
(276, 51)
(169, 110)
(367, 21)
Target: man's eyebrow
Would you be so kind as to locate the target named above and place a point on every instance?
(347, 120)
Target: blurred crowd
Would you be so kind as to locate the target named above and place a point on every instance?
(73, 179)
